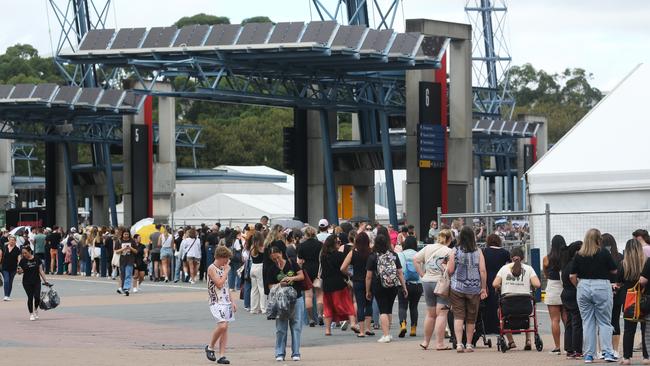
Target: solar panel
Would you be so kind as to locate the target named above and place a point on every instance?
(349, 36)
(483, 125)
(431, 46)
(223, 35)
(377, 41)
(191, 35)
(128, 38)
(44, 91)
(255, 33)
(405, 44)
(23, 91)
(131, 100)
(287, 32)
(319, 32)
(111, 98)
(159, 37)
(66, 95)
(5, 91)
(88, 96)
(97, 39)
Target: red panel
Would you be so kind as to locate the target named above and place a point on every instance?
(148, 121)
(533, 141)
(441, 77)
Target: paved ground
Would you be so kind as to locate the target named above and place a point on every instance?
(170, 324)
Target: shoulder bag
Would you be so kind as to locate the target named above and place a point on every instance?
(443, 284)
(188, 250)
(318, 283)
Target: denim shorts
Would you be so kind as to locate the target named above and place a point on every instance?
(166, 252)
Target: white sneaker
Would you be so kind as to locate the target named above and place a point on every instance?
(390, 337)
(295, 358)
(135, 290)
(36, 314)
(6, 298)
(279, 358)
(384, 339)
(31, 317)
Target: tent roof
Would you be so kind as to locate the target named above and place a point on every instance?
(607, 150)
(262, 170)
(239, 206)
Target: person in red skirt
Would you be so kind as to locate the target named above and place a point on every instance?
(337, 292)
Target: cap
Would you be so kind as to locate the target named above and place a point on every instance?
(73, 230)
(323, 223)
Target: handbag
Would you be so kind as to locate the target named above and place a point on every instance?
(442, 286)
(632, 305)
(318, 283)
(306, 282)
(115, 261)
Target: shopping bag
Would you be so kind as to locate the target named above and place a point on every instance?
(632, 306)
(49, 298)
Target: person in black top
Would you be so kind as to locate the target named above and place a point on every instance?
(10, 257)
(258, 300)
(32, 272)
(308, 253)
(551, 268)
(358, 258)
(592, 267)
(629, 273)
(52, 241)
(141, 262)
(573, 329)
(337, 297)
(609, 244)
(287, 273)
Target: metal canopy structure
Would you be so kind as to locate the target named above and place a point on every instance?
(320, 65)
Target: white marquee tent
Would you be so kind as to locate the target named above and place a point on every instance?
(602, 164)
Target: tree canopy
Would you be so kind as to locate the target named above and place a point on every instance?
(259, 19)
(201, 18)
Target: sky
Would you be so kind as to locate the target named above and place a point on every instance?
(605, 37)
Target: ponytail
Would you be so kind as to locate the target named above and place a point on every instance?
(517, 255)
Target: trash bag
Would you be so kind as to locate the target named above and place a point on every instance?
(49, 298)
(281, 302)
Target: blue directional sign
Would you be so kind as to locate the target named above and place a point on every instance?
(431, 145)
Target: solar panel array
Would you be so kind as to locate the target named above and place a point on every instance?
(505, 128)
(326, 37)
(70, 97)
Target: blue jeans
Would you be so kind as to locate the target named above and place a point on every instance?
(247, 294)
(364, 306)
(8, 279)
(233, 277)
(595, 303)
(128, 276)
(295, 325)
(178, 268)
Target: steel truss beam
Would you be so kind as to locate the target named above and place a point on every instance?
(357, 11)
(91, 130)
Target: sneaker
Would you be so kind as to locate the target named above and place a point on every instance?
(119, 290)
(36, 314)
(320, 321)
(126, 293)
(279, 358)
(312, 324)
(610, 357)
(295, 358)
(135, 290)
(166, 280)
(6, 298)
(384, 339)
(223, 361)
(555, 352)
(589, 359)
(390, 337)
(31, 317)
(344, 325)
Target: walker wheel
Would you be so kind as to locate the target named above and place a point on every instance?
(539, 345)
(489, 343)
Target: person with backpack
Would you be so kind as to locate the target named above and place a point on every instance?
(384, 276)
(413, 285)
(468, 285)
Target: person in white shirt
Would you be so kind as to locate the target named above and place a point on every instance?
(191, 254)
(516, 278)
(323, 233)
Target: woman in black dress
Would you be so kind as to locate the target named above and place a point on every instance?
(495, 258)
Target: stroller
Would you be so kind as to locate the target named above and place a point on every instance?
(515, 314)
(479, 330)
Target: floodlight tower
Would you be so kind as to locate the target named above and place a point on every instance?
(357, 12)
(490, 59)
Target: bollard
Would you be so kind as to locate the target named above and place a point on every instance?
(88, 260)
(75, 260)
(535, 263)
(60, 260)
(102, 262)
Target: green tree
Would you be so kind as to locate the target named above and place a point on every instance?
(201, 18)
(563, 98)
(258, 19)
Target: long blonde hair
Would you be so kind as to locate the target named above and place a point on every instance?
(591, 244)
(443, 236)
(633, 260)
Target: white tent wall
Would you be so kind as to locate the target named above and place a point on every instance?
(601, 165)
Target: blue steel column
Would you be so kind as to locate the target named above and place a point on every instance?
(332, 211)
(388, 168)
(110, 185)
(72, 201)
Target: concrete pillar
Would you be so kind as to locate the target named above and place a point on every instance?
(356, 132)
(100, 210)
(6, 172)
(164, 169)
(364, 201)
(316, 191)
(62, 209)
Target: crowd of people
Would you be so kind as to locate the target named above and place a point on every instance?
(349, 277)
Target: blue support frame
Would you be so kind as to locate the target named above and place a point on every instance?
(328, 165)
(72, 200)
(388, 169)
(110, 186)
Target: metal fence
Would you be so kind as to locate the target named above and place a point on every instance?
(535, 230)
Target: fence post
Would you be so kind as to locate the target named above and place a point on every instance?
(547, 214)
(439, 213)
(535, 263)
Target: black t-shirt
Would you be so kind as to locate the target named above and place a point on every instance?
(359, 264)
(258, 259)
(371, 265)
(10, 259)
(596, 267)
(213, 239)
(309, 250)
(292, 253)
(31, 273)
(646, 270)
(333, 279)
(274, 271)
(139, 256)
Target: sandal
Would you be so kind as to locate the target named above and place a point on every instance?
(528, 347)
(423, 347)
(512, 345)
(361, 336)
(209, 353)
(460, 349)
(355, 328)
(369, 333)
(469, 348)
(444, 348)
